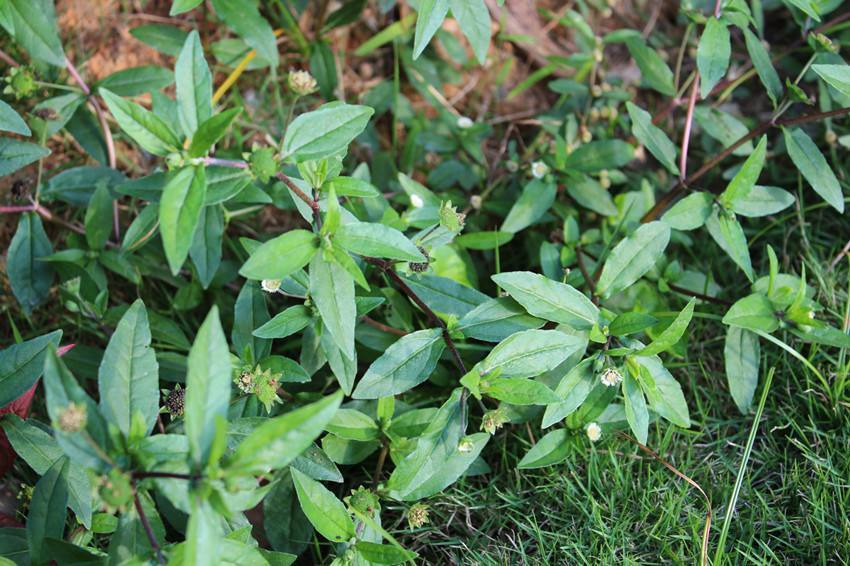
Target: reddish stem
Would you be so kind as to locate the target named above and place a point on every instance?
(686, 135)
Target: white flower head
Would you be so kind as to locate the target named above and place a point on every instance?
(416, 201)
(475, 202)
(811, 314)
(270, 285)
(593, 431)
(611, 377)
(464, 122)
(539, 169)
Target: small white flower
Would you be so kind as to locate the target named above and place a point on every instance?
(270, 285)
(593, 431)
(611, 377)
(475, 202)
(539, 169)
(464, 122)
(811, 314)
(416, 201)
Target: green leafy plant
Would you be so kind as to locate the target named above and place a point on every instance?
(420, 295)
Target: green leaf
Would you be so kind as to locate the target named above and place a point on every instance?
(826, 335)
(653, 137)
(205, 250)
(34, 28)
(474, 20)
(430, 16)
(598, 155)
(203, 535)
(496, 319)
(446, 295)
(279, 440)
(552, 449)
(164, 38)
(327, 513)
(814, 167)
(325, 131)
(518, 391)
(22, 364)
(746, 177)
(376, 553)
(636, 413)
(210, 131)
(742, 354)
(548, 299)
(536, 199)
(713, 54)
(631, 323)
(194, 86)
(531, 353)
(723, 127)
(572, 391)
(128, 377)
(632, 257)
(729, 235)
(245, 19)
(11, 121)
(447, 471)
(764, 66)
(808, 7)
(666, 397)
(376, 240)
(137, 80)
(41, 451)
(15, 154)
(589, 193)
(836, 76)
(145, 127)
(281, 256)
(180, 6)
(29, 278)
(99, 218)
(207, 387)
(484, 240)
(249, 313)
(672, 334)
(286, 323)
(179, 213)
(351, 424)
(763, 201)
(404, 365)
(46, 517)
(332, 291)
(350, 187)
(689, 213)
(753, 312)
(656, 74)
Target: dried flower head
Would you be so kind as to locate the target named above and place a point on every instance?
(417, 515)
(611, 377)
(175, 402)
(245, 381)
(420, 266)
(301, 83)
(72, 418)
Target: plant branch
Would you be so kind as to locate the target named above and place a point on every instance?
(700, 296)
(686, 135)
(311, 202)
(165, 475)
(382, 327)
(147, 526)
(591, 282)
(683, 185)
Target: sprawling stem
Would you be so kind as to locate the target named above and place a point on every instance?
(146, 525)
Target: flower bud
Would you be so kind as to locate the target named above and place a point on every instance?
(21, 81)
(417, 515)
(301, 83)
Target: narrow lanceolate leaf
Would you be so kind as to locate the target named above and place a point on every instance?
(286, 323)
(431, 14)
(729, 235)
(203, 535)
(762, 201)
(745, 179)
(672, 333)
(689, 213)
(11, 121)
(46, 517)
(474, 20)
(205, 250)
(376, 240)
(764, 66)
(713, 55)
(549, 299)
(207, 387)
(572, 390)
(633, 257)
(741, 353)
(22, 364)
(279, 440)
(518, 391)
(666, 398)
(536, 199)
(34, 28)
(332, 290)
(325, 131)
(654, 138)
(553, 448)
(351, 424)
(327, 513)
(403, 366)
(375, 553)
(636, 412)
(753, 312)
(179, 212)
(281, 256)
(128, 378)
(836, 76)
(655, 72)
(29, 278)
(245, 19)
(209, 132)
(194, 85)
(15, 154)
(531, 353)
(813, 166)
(137, 80)
(180, 6)
(145, 127)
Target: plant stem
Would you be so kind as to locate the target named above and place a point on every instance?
(165, 475)
(311, 202)
(683, 185)
(686, 135)
(147, 526)
(730, 507)
(700, 296)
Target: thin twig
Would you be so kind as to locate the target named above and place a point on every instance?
(700, 296)
(314, 206)
(147, 526)
(8, 59)
(382, 327)
(165, 475)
